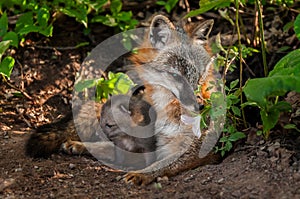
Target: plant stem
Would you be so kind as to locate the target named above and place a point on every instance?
(262, 38)
(241, 57)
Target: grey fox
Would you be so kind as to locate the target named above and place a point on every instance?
(181, 52)
(172, 62)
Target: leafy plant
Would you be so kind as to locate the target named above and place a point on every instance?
(6, 65)
(117, 18)
(33, 21)
(118, 83)
(230, 135)
(233, 118)
(219, 106)
(283, 78)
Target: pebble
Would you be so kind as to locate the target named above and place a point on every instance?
(220, 180)
(188, 178)
(18, 169)
(163, 179)
(72, 166)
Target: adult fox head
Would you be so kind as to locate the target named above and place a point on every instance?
(178, 48)
(176, 57)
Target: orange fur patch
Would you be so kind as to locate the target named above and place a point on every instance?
(174, 110)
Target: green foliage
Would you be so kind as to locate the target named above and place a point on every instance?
(217, 107)
(117, 18)
(206, 5)
(6, 65)
(36, 16)
(283, 78)
(118, 83)
(231, 135)
(168, 4)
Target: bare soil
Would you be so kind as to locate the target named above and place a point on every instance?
(254, 169)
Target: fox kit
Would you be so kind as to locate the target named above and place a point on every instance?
(129, 124)
(119, 132)
(172, 62)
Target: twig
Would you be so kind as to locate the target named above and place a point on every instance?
(188, 9)
(262, 38)
(241, 58)
(14, 87)
(62, 48)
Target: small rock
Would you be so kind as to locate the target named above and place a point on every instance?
(237, 193)
(220, 180)
(18, 169)
(72, 166)
(261, 142)
(188, 178)
(118, 178)
(163, 179)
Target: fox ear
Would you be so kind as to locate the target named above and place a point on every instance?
(202, 31)
(161, 29)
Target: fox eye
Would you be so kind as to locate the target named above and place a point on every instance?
(124, 109)
(109, 126)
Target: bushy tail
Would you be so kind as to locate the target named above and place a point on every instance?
(48, 138)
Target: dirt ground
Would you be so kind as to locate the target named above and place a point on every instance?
(254, 169)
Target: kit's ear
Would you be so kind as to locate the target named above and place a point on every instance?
(202, 31)
(161, 29)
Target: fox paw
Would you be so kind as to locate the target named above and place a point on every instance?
(138, 178)
(73, 147)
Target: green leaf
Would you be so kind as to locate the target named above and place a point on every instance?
(3, 24)
(288, 65)
(288, 26)
(43, 16)
(223, 139)
(123, 84)
(107, 20)
(270, 86)
(234, 83)
(281, 106)
(46, 31)
(228, 146)
(79, 13)
(80, 86)
(206, 5)
(291, 126)
(236, 136)
(297, 26)
(24, 20)
(269, 119)
(124, 16)
(172, 4)
(115, 6)
(6, 66)
(3, 47)
(28, 29)
(236, 111)
(13, 37)
(161, 3)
